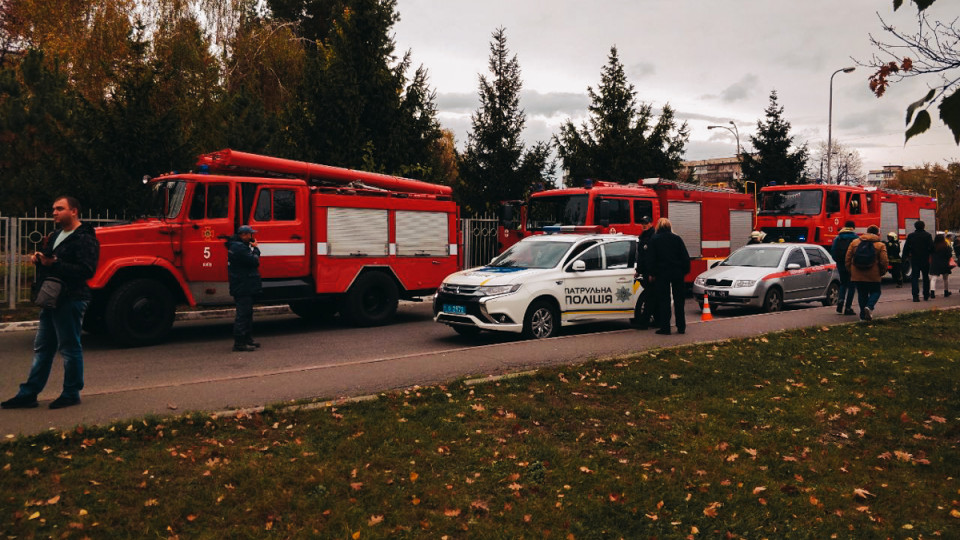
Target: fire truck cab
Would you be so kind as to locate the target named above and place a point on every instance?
(331, 240)
(815, 213)
(712, 221)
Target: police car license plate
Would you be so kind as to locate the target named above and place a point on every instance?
(717, 294)
(454, 309)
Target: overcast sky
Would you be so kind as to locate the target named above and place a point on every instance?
(713, 61)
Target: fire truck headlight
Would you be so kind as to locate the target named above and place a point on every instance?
(493, 290)
(700, 281)
(745, 283)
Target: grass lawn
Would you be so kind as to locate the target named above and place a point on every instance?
(843, 432)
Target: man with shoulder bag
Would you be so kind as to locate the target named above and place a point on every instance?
(67, 260)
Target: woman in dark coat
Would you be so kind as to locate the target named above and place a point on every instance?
(940, 264)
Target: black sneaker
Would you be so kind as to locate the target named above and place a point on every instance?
(20, 402)
(916, 298)
(839, 308)
(932, 295)
(240, 346)
(849, 311)
(946, 293)
(663, 332)
(64, 401)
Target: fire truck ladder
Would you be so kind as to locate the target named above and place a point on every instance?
(231, 161)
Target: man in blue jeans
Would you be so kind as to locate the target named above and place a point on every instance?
(839, 252)
(867, 267)
(69, 254)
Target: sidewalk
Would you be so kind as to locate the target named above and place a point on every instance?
(227, 313)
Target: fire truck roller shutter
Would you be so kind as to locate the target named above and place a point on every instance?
(685, 217)
(741, 225)
(357, 232)
(422, 234)
(929, 218)
(889, 221)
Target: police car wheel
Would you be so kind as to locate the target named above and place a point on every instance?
(541, 321)
(773, 301)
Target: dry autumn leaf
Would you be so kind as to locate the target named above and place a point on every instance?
(374, 520)
(451, 512)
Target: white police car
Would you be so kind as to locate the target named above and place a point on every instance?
(541, 283)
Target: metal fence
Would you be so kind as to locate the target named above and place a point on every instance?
(479, 240)
(20, 237)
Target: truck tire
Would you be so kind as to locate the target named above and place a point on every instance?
(372, 300)
(95, 320)
(315, 311)
(139, 312)
(541, 321)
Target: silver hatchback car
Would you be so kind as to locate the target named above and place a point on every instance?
(767, 276)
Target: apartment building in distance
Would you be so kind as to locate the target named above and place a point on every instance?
(720, 172)
(882, 177)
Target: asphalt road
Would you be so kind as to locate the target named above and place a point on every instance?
(196, 370)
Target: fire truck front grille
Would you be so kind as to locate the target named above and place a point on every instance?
(787, 234)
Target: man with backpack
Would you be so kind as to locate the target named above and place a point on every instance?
(839, 251)
(868, 262)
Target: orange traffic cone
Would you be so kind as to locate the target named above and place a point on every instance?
(705, 315)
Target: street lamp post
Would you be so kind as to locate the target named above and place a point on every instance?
(736, 133)
(830, 119)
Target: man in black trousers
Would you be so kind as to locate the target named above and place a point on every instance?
(918, 248)
(243, 269)
(646, 306)
(668, 262)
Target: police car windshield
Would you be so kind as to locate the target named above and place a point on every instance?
(764, 257)
(532, 255)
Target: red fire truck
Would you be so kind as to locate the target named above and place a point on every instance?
(711, 221)
(815, 213)
(331, 240)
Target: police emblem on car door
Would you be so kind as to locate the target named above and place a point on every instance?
(599, 283)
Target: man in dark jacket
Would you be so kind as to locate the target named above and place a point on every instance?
(667, 262)
(70, 255)
(243, 269)
(839, 251)
(918, 248)
(646, 306)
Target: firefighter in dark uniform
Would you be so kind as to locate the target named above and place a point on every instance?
(243, 269)
(893, 254)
